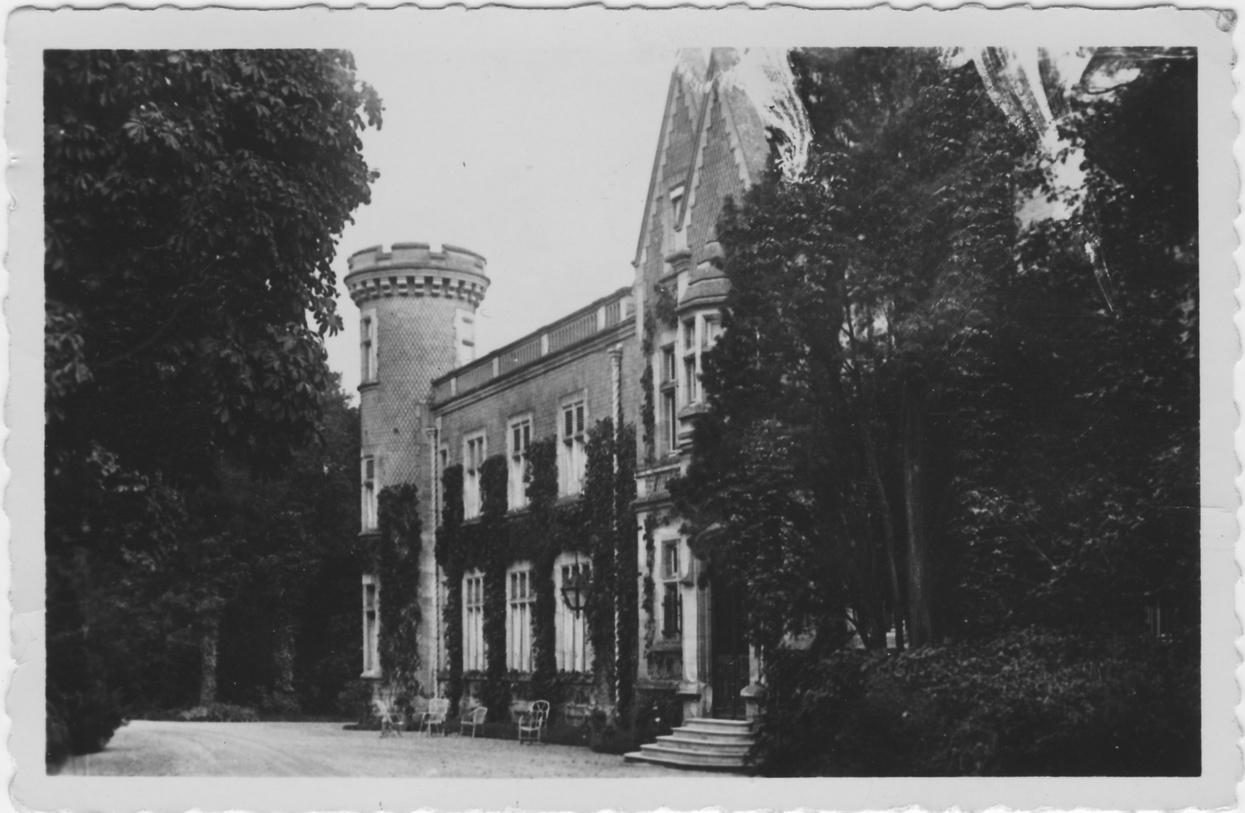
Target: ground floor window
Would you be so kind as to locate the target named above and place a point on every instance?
(473, 621)
(519, 598)
(573, 653)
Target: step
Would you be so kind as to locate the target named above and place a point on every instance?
(717, 734)
(720, 723)
(698, 758)
(679, 743)
(714, 737)
(675, 762)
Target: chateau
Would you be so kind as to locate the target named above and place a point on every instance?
(545, 579)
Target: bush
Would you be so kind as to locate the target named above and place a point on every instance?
(1028, 703)
(355, 701)
(80, 724)
(495, 694)
(655, 714)
(279, 706)
(220, 713)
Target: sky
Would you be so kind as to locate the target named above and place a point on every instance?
(537, 159)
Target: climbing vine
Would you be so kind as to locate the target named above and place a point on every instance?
(626, 576)
(648, 408)
(397, 565)
(451, 562)
(539, 533)
(665, 304)
(596, 525)
(650, 587)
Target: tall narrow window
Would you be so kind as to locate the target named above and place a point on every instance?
(671, 601)
(668, 415)
(473, 459)
(371, 627)
(369, 493)
(691, 363)
(473, 621)
(519, 618)
(669, 422)
(367, 348)
(518, 439)
(572, 454)
(574, 651)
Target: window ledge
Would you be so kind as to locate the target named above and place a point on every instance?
(667, 645)
(693, 409)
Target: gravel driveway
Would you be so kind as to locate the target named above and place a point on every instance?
(165, 748)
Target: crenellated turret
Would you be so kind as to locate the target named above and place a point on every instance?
(415, 270)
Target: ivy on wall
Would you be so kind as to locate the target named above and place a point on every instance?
(665, 303)
(539, 533)
(451, 561)
(650, 587)
(493, 560)
(648, 410)
(397, 565)
(608, 521)
(626, 576)
(596, 525)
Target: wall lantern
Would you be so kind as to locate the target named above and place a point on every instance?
(575, 587)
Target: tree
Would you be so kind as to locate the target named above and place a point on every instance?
(191, 201)
(858, 300)
(932, 414)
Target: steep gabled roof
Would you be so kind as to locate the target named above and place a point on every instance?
(687, 86)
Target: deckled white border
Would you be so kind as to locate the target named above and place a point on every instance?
(28, 32)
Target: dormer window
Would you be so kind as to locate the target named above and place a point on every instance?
(676, 203)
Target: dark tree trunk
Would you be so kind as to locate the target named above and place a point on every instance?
(920, 619)
(888, 537)
(209, 638)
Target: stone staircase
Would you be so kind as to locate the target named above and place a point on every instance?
(701, 744)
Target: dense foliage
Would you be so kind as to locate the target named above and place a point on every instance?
(397, 565)
(191, 203)
(935, 417)
(1026, 703)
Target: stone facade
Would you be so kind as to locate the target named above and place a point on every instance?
(711, 146)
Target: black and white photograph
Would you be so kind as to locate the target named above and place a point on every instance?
(440, 407)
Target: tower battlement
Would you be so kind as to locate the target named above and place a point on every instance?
(415, 270)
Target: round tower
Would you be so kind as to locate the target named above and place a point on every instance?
(416, 322)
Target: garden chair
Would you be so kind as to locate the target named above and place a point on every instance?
(532, 723)
(474, 719)
(434, 717)
(389, 727)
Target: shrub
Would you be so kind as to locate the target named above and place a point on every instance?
(355, 701)
(220, 713)
(1027, 703)
(495, 694)
(279, 705)
(655, 714)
